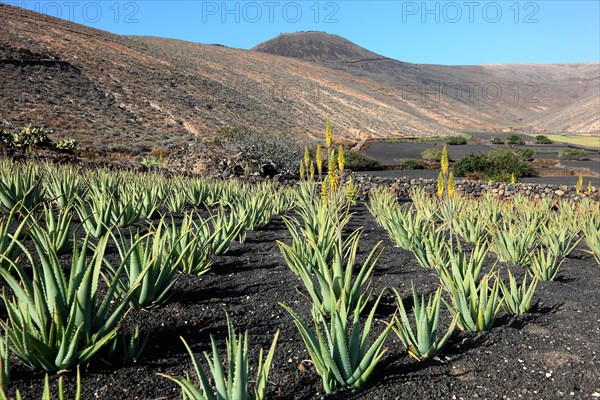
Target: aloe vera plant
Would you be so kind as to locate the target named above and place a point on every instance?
(126, 347)
(471, 227)
(95, 214)
(426, 342)
(380, 200)
(429, 248)
(62, 185)
(321, 227)
(103, 182)
(46, 393)
(190, 243)
(231, 381)
(404, 226)
(150, 267)
(4, 362)
(517, 299)
(544, 264)
(425, 205)
(342, 355)
(226, 229)
(280, 201)
(513, 245)
(559, 240)
(56, 322)
(330, 282)
(460, 270)
(20, 186)
(176, 200)
(57, 230)
(477, 311)
(124, 211)
(9, 249)
(196, 192)
(254, 209)
(149, 199)
(591, 234)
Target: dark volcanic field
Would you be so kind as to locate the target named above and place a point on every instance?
(550, 354)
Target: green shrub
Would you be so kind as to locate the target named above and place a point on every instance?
(432, 155)
(472, 163)
(506, 162)
(514, 139)
(26, 138)
(497, 140)
(572, 154)
(67, 144)
(413, 164)
(525, 154)
(542, 139)
(456, 140)
(498, 165)
(281, 150)
(149, 163)
(357, 161)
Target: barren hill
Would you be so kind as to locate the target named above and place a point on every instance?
(559, 97)
(144, 92)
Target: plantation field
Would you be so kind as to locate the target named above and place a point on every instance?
(559, 338)
(592, 142)
(207, 250)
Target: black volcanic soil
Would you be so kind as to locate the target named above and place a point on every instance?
(550, 354)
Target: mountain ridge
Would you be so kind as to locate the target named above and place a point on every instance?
(140, 92)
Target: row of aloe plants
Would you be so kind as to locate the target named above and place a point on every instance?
(536, 235)
(57, 319)
(322, 254)
(436, 231)
(104, 198)
(343, 346)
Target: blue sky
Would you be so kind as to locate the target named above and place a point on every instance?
(435, 32)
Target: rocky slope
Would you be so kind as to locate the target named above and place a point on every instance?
(137, 93)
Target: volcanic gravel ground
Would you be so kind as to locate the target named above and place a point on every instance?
(550, 354)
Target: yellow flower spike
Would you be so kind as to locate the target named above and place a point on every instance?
(340, 158)
(445, 163)
(328, 134)
(331, 162)
(350, 192)
(312, 170)
(440, 184)
(334, 182)
(451, 184)
(579, 183)
(306, 157)
(319, 158)
(332, 172)
(589, 188)
(513, 178)
(301, 170)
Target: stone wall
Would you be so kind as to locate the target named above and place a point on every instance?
(402, 188)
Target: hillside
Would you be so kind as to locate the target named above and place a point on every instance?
(136, 93)
(560, 97)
